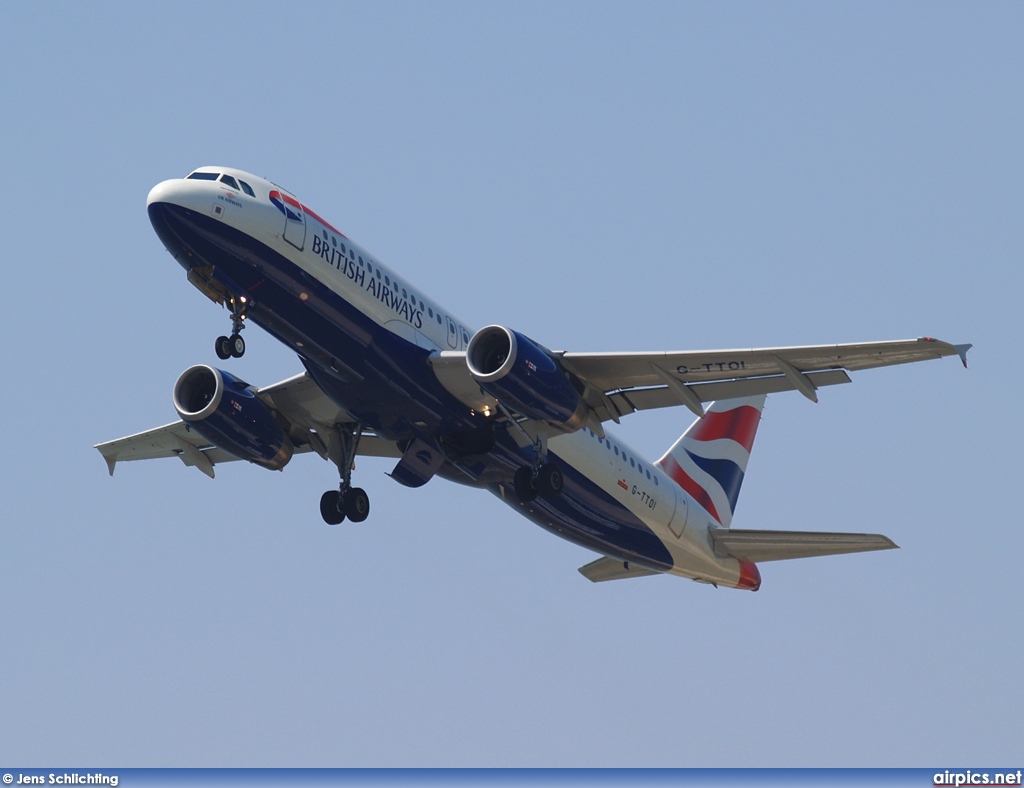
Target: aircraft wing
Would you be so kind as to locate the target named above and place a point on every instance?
(308, 411)
(621, 383)
(617, 384)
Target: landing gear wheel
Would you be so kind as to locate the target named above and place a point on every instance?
(525, 488)
(223, 348)
(236, 345)
(356, 504)
(550, 480)
(330, 507)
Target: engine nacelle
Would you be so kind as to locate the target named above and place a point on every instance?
(520, 374)
(221, 408)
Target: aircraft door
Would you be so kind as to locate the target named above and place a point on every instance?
(678, 522)
(453, 334)
(294, 218)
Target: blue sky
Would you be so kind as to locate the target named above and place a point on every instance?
(600, 177)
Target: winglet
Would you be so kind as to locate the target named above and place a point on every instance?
(961, 350)
(111, 462)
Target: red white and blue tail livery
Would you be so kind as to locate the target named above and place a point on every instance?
(711, 457)
(389, 372)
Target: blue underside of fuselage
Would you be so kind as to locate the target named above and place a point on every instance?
(387, 384)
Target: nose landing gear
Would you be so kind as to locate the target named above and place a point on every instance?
(234, 346)
(230, 347)
(346, 501)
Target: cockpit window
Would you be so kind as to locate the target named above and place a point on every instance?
(203, 176)
(228, 180)
(247, 188)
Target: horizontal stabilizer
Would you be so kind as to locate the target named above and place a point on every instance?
(612, 569)
(757, 546)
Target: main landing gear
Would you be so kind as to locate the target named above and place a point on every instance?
(234, 346)
(546, 481)
(346, 501)
(541, 478)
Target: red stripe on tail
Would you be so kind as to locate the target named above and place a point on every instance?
(738, 424)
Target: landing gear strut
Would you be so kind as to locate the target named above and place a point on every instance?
(346, 501)
(541, 478)
(234, 346)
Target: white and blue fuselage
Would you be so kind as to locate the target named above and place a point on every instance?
(367, 336)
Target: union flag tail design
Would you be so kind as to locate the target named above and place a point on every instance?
(710, 459)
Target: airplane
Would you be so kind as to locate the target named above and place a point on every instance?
(388, 372)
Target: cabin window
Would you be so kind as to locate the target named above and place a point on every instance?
(439, 318)
(430, 311)
(229, 181)
(616, 451)
(246, 188)
(203, 176)
(631, 463)
(648, 474)
(387, 281)
(405, 295)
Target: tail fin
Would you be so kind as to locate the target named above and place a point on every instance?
(709, 460)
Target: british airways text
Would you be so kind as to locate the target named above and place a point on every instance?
(337, 259)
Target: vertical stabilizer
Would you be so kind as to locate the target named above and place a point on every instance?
(710, 459)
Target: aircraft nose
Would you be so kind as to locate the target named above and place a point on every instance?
(166, 192)
(168, 202)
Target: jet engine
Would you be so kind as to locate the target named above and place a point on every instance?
(523, 376)
(222, 409)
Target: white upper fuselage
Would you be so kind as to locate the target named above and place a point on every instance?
(321, 251)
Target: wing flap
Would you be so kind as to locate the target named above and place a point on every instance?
(632, 400)
(152, 444)
(606, 568)
(757, 546)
